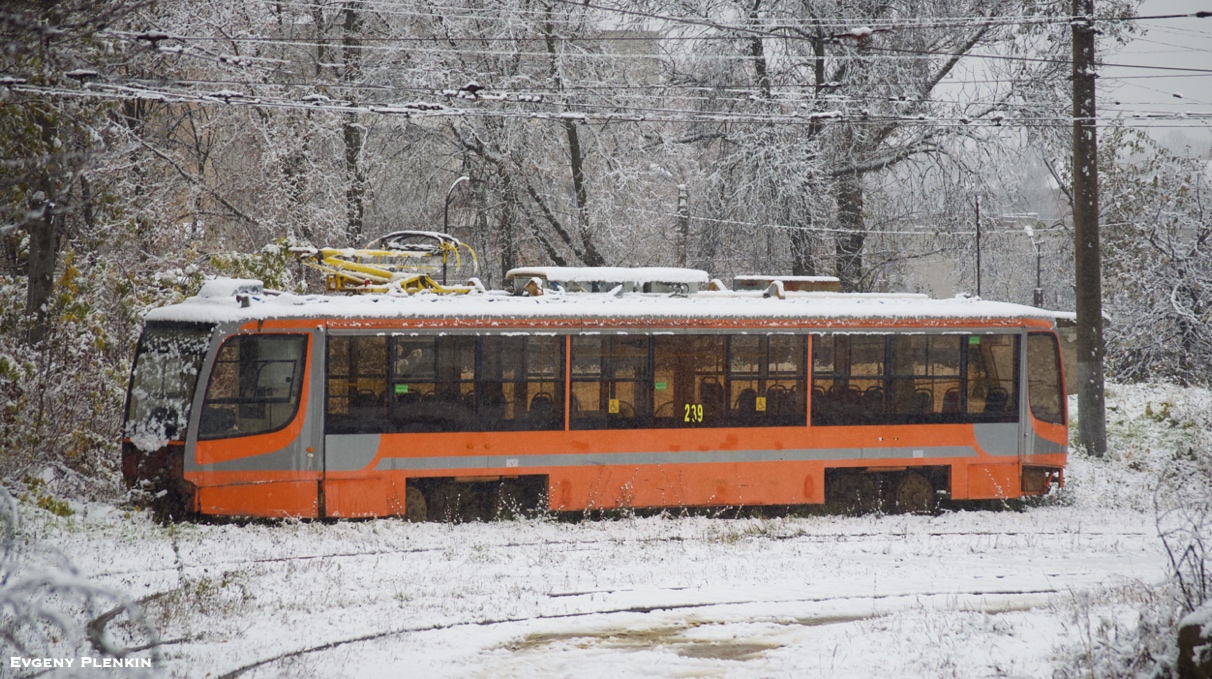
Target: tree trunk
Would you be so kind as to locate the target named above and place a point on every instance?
(849, 260)
(353, 133)
(683, 212)
(44, 238)
(803, 239)
(589, 252)
(509, 252)
(355, 193)
(44, 233)
(803, 244)
(757, 52)
(591, 255)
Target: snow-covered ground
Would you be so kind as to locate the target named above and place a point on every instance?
(963, 593)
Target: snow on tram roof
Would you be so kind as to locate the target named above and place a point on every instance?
(228, 300)
(589, 274)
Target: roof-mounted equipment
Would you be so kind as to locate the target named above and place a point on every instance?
(402, 262)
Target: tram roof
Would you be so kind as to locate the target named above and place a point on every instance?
(239, 301)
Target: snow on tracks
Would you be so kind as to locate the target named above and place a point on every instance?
(647, 596)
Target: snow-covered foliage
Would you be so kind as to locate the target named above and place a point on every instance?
(1158, 261)
(49, 610)
(145, 146)
(61, 399)
(1159, 464)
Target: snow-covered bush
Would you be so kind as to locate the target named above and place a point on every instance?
(47, 610)
(1159, 460)
(61, 399)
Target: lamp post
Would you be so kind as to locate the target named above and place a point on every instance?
(446, 218)
(1037, 295)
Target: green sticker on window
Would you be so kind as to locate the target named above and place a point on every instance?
(401, 388)
(973, 339)
(661, 386)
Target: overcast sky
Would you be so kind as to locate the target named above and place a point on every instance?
(1172, 43)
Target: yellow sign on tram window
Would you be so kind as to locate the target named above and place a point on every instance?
(613, 406)
(761, 404)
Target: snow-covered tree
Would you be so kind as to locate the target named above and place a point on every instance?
(1158, 254)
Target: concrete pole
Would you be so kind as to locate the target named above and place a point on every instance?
(1092, 417)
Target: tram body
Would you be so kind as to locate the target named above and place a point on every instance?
(253, 405)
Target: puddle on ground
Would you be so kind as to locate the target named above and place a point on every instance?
(672, 637)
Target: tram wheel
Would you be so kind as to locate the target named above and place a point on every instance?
(853, 494)
(416, 509)
(913, 495)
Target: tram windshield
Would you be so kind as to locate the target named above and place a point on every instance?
(163, 382)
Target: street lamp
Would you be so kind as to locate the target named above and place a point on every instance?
(446, 207)
(446, 218)
(1037, 297)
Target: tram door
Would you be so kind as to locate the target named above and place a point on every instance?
(353, 386)
(1045, 396)
(257, 445)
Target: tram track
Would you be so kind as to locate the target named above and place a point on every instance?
(807, 537)
(384, 634)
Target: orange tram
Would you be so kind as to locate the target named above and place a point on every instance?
(589, 389)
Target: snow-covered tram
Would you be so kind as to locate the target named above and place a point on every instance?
(551, 395)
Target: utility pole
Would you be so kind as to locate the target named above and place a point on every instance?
(683, 226)
(978, 246)
(1092, 416)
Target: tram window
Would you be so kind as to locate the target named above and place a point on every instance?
(1044, 390)
(690, 381)
(453, 402)
(545, 382)
(610, 382)
(914, 379)
(378, 384)
(766, 380)
(413, 386)
(521, 383)
(429, 379)
(357, 384)
(785, 387)
(853, 391)
(254, 385)
(992, 377)
(162, 384)
(924, 384)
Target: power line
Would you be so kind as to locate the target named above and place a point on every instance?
(893, 52)
(655, 116)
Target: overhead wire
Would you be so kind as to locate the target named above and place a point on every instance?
(428, 110)
(616, 110)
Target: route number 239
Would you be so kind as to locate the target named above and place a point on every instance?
(694, 412)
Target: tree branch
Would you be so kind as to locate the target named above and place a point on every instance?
(199, 183)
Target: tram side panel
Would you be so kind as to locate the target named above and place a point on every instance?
(680, 467)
